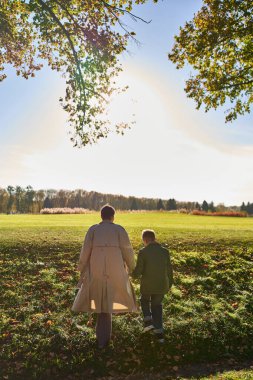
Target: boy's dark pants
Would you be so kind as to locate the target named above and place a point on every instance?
(151, 305)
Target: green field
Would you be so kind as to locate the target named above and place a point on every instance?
(208, 314)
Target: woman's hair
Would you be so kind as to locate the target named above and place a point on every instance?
(148, 235)
(107, 212)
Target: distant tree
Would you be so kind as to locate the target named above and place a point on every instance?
(47, 203)
(204, 206)
(10, 190)
(19, 197)
(189, 206)
(221, 207)
(95, 203)
(39, 198)
(197, 206)
(249, 208)
(211, 207)
(235, 208)
(171, 204)
(243, 207)
(78, 198)
(134, 205)
(63, 198)
(52, 195)
(4, 196)
(29, 196)
(72, 199)
(218, 44)
(186, 205)
(160, 205)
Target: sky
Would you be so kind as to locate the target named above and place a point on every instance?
(172, 151)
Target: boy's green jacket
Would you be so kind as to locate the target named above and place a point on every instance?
(155, 269)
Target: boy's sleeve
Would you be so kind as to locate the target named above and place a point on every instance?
(138, 271)
(170, 271)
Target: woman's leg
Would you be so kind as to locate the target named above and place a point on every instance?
(103, 329)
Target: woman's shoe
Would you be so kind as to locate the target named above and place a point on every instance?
(102, 346)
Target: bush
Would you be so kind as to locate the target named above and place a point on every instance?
(65, 210)
(220, 213)
(183, 211)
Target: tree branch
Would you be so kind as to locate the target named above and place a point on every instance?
(125, 11)
(67, 34)
(230, 86)
(120, 23)
(238, 84)
(69, 14)
(49, 10)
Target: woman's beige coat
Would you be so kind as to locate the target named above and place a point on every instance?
(105, 259)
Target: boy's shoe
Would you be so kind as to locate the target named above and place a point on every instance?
(148, 325)
(160, 337)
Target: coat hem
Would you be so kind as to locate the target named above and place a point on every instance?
(108, 311)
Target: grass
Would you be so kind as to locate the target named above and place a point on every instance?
(232, 375)
(208, 314)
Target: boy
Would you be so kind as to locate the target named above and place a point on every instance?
(155, 269)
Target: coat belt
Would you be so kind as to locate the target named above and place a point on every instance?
(105, 246)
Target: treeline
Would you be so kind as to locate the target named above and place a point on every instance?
(248, 208)
(27, 200)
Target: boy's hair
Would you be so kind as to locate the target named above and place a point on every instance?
(107, 212)
(148, 235)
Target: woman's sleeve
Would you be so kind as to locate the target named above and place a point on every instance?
(138, 271)
(170, 271)
(126, 249)
(86, 250)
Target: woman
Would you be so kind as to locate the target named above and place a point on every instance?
(105, 260)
